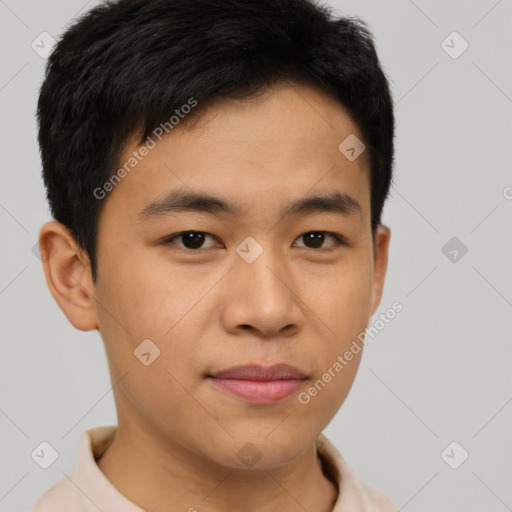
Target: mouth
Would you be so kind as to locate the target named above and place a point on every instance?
(257, 384)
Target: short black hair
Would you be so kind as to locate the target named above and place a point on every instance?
(126, 66)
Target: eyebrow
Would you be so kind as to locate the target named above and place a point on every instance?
(183, 200)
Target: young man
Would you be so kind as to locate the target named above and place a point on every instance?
(217, 172)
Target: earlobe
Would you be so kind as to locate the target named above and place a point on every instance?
(382, 239)
(68, 275)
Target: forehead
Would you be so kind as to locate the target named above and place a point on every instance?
(260, 151)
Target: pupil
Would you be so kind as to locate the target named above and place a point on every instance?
(315, 238)
(193, 240)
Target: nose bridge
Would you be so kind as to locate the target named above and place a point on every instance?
(265, 276)
(259, 293)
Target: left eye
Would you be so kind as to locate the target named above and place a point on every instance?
(193, 240)
(317, 238)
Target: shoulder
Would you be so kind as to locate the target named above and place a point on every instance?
(353, 494)
(378, 501)
(63, 496)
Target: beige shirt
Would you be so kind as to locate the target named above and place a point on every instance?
(87, 489)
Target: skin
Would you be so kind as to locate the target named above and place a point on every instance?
(208, 310)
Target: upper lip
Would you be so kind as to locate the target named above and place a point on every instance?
(256, 372)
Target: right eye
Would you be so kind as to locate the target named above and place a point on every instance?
(192, 240)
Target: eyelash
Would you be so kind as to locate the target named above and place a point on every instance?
(340, 240)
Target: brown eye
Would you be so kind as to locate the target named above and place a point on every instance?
(315, 240)
(191, 240)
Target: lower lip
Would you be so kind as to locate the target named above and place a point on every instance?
(260, 392)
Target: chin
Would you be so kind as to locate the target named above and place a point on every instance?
(262, 452)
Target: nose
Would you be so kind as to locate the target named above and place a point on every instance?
(261, 298)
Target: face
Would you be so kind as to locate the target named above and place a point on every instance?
(240, 280)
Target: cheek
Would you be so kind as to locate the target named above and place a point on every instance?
(342, 303)
(343, 307)
(144, 309)
(147, 300)
(341, 300)
(159, 394)
(350, 309)
(141, 302)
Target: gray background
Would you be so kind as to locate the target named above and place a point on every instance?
(439, 372)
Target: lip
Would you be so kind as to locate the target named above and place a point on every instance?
(258, 384)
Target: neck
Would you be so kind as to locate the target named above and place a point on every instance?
(157, 474)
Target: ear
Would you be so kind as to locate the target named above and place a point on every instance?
(68, 275)
(380, 256)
